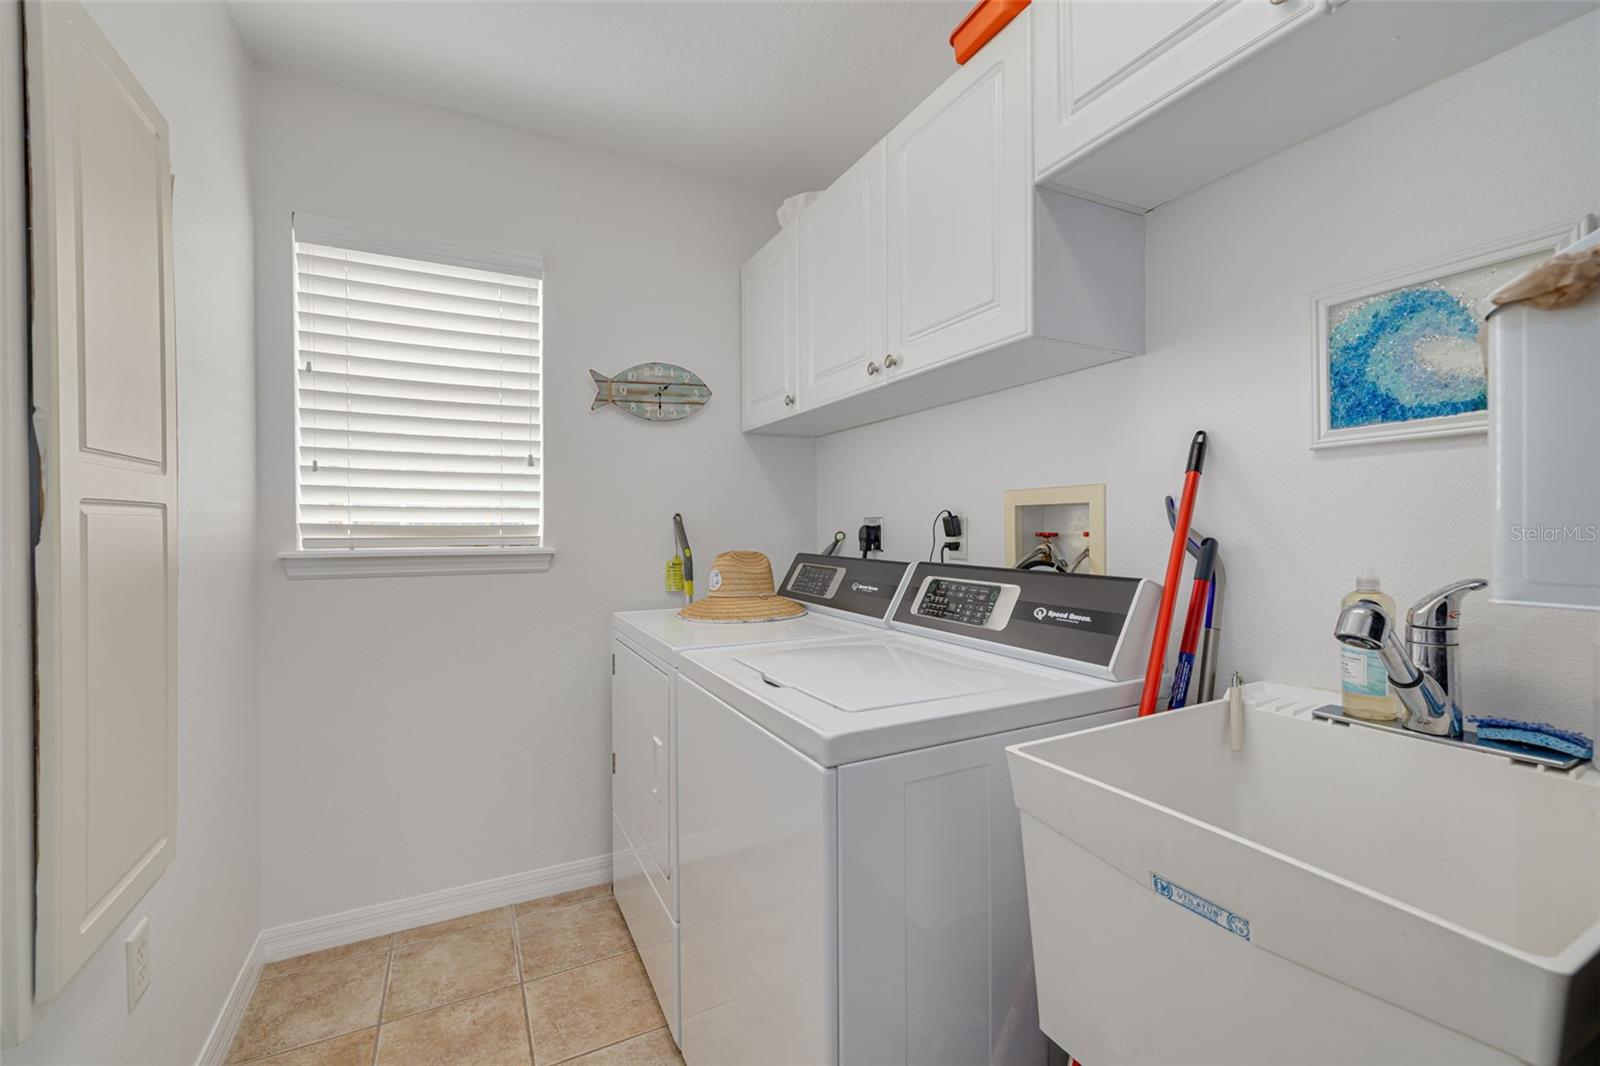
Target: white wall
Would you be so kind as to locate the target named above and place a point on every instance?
(427, 732)
(1505, 147)
(204, 912)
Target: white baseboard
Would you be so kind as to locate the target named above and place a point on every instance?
(314, 934)
(297, 938)
(220, 1039)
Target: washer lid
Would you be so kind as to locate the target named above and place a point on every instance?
(869, 676)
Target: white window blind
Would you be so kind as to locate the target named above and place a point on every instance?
(418, 381)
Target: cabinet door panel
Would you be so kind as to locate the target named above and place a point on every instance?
(770, 330)
(960, 202)
(1102, 65)
(1110, 41)
(842, 284)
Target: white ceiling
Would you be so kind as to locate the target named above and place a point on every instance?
(780, 96)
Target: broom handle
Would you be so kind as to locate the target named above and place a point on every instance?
(1169, 587)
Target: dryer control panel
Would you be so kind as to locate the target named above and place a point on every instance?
(821, 580)
(861, 588)
(1100, 625)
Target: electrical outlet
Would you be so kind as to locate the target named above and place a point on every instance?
(958, 553)
(871, 535)
(138, 948)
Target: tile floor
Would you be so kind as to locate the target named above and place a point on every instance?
(547, 981)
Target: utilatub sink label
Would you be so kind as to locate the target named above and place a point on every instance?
(1211, 912)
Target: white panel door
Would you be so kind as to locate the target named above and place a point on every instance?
(16, 561)
(842, 332)
(640, 713)
(960, 210)
(106, 563)
(769, 330)
(1101, 65)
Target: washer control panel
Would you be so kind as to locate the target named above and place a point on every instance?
(983, 604)
(1076, 620)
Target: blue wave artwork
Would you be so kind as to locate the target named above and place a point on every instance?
(1404, 355)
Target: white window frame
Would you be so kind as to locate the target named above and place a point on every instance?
(399, 562)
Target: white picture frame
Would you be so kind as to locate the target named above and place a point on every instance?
(1324, 304)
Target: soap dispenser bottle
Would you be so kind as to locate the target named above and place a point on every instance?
(1361, 674)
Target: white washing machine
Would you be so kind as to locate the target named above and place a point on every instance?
(851, 885)
(844, 596)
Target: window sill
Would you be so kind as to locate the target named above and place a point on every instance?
(414, 562)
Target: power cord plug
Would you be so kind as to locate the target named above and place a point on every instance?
(952, 528)
(870, 538)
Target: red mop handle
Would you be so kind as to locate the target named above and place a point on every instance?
(1169, 587)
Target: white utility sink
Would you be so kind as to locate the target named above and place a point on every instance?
(1325, 894)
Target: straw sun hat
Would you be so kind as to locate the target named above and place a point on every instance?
(741, 591)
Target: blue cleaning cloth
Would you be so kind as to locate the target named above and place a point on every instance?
(1535, 735)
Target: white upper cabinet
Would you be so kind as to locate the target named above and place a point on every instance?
(769, 293)
(1136, 103)
(935, 270)
(960, 210)
(996, 236)
(1104, 64)
(842, 333)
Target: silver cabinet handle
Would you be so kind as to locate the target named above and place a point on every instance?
(873, 368)
(788, 401)
(891, 361)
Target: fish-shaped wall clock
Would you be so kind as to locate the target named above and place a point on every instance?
(656, 392)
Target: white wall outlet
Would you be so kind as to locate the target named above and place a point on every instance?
(959, 552)
(138, 949)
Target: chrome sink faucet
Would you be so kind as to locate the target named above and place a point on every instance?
(1424, 671)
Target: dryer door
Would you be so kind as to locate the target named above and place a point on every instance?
(640, 742)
